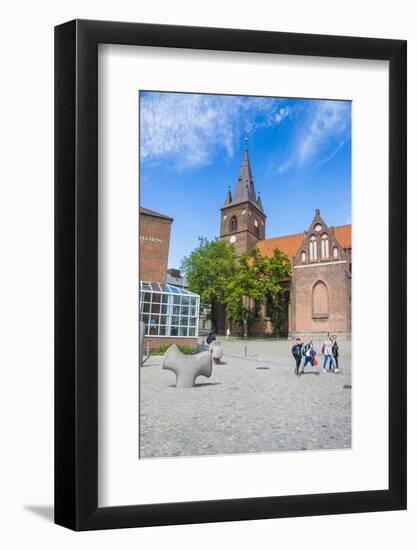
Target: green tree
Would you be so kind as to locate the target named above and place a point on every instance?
(277, 295)
(278, 308)
(208, 269)
(258, 279)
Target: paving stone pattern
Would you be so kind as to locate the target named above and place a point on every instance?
(247, 406)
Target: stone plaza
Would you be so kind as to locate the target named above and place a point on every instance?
(248, 405)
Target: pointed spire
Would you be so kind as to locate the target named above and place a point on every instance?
(228, 197)
(259, 202)
(244, 190)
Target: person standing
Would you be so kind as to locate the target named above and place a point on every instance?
(328, 354)
(335, 349)
(210, 338)
(296, 351)
(310, 356)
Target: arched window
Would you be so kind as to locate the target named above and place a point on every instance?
(320, 301)
(256, 224)
(325, 246)
(335, 252)
(303, 256)
(233, 224)
(313, 248)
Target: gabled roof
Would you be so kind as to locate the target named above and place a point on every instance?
(290, 244)
(149, 212)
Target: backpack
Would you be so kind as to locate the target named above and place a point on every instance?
(305, 348)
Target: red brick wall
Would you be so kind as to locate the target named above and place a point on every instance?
(303, 318)
(321, 287)
(154, 235)
(262, 326)
(246, 235)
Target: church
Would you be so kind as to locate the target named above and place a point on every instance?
(319, 296)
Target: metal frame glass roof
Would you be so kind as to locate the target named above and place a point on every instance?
(165, 288)
(168, 311)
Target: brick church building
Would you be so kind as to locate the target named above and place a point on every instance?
(319, 296)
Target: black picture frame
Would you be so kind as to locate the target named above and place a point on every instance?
(76, 273)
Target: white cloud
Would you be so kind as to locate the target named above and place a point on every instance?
(286, 165)
(282, 113)
(329, 119)
(323, 129)
(332, 154)
(181, 126)
(190, 129)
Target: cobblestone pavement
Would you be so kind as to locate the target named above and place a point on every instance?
(247, 405)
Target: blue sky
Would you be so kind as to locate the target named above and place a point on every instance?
(191, 146)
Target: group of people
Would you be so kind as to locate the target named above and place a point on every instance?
(330, 351)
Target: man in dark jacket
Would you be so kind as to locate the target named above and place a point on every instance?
(297, 354)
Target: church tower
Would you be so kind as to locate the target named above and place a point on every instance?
(242, 216)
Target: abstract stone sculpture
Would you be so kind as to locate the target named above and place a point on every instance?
(187, 367)
(216, 351)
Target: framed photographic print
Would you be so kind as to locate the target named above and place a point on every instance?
(230, 275)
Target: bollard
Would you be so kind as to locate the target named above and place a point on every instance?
(245, 337)
(216, 351)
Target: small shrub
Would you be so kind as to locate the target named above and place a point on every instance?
(188, 350)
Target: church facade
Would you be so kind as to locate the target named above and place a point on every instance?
(318, 299)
